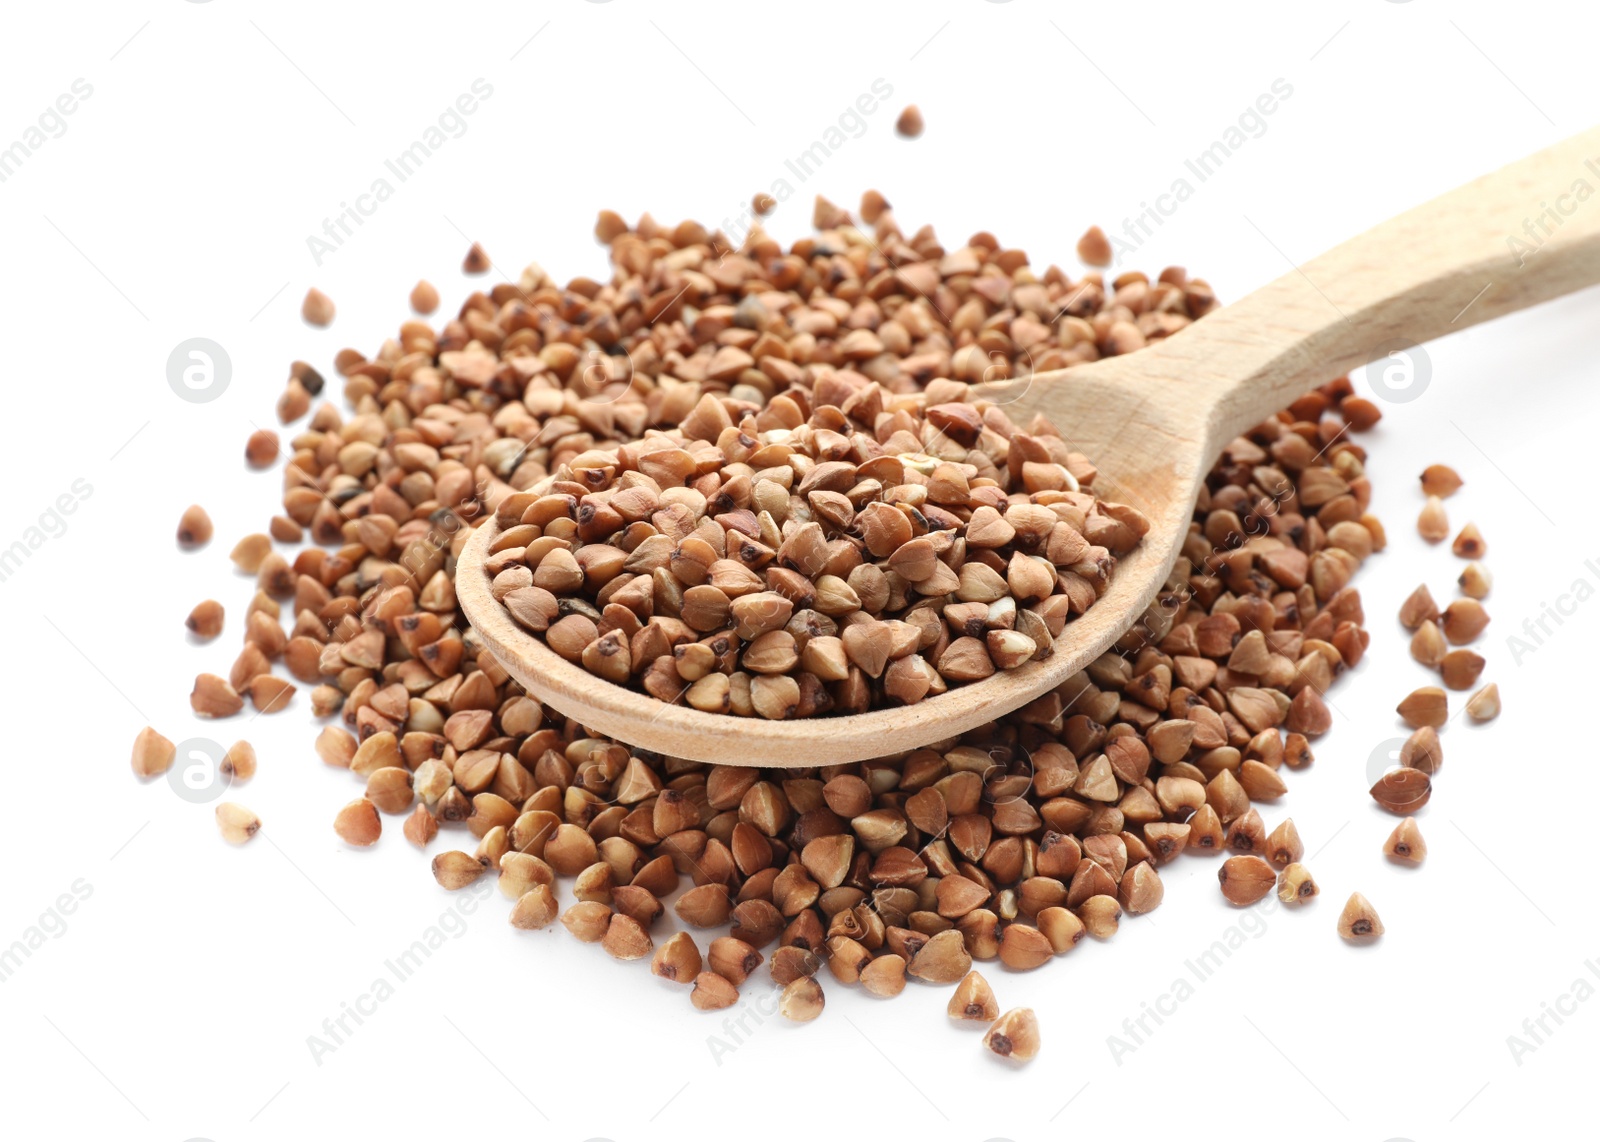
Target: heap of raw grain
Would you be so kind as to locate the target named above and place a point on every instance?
(1010, 842)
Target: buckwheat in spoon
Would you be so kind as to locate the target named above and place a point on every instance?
(850, 573)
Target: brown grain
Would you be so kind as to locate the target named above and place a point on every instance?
(1405, 845)
(236, 823)
(424, 297)
(1094, 248)
(1402, 791)
(261, 449)
(1358, 922)
(1484, 705)
(194, 527)
(1433, 524)
(317, 308)
(358, 823)
(205, 621)
(1295, 885)
(1015, 1035)
(1246, 879)
(1440, 480)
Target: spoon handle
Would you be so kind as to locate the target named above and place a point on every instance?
(1524, 234)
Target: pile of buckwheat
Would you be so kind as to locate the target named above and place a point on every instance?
(729, 463)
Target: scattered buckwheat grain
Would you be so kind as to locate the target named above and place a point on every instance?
(1405, 845)
(1440, 480)
(205, 621)
(1359, 922)
(1094, 249)
(424, 297)
(1015, 1035)
(236, 823)
(317, 308)
(194, 528)
(239, 762)
(261, 449)
(1484, 706)
(1469, 543)
(1432, 523)
(152, 754)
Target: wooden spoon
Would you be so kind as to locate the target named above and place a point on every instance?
(1154, 422)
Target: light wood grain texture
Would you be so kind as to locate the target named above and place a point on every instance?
(1154, 422)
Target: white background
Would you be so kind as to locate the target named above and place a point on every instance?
(178, 1001)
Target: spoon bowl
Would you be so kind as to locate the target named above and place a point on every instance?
(1153, 422)
(1160, 481)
